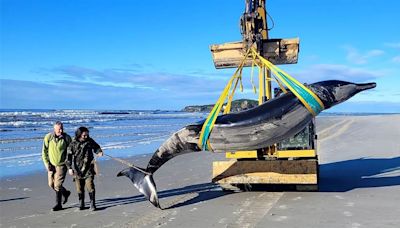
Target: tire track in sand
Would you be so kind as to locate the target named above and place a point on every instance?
(329, 133)
(253, 209)
(159, 218)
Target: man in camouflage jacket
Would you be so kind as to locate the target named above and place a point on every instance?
(81, 164)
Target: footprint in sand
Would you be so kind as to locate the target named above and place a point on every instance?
(237, 212)
(349, 204)
(222, 221)
(339, 197)
(297, 198)
(161, 224)
(246, 203)
(347, 213)
(280, 218)
(283, 207)
(261, 195)
(109, 225)
(27, 216)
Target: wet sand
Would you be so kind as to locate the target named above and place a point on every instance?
(359, 187)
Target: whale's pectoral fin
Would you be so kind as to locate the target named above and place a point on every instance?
(143, 182)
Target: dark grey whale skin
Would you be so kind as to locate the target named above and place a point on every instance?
(260, 127)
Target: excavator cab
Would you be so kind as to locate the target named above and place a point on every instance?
(304, 140)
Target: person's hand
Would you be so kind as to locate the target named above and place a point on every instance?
(71, 172)
(100, 154)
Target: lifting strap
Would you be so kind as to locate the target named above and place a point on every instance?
(311, 101)
(209, 123)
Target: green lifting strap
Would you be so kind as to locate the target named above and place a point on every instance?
(212, 117)
(305, 95)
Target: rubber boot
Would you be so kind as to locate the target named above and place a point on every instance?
(65, 194)
(92, 201)
(58, 205)
(81, 197)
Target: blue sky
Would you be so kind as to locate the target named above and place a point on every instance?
(127, 54)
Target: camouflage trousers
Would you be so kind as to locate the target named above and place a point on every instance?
(56, 177)
(81, 183)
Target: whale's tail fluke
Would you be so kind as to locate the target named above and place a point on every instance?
(143, 182)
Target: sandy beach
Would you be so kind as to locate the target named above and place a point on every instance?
(359, 187)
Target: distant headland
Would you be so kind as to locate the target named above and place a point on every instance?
(237, 105)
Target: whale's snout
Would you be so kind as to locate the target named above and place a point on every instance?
(333, 92)
(365, 86)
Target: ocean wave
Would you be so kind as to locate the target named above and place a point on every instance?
(150, 139)
(4, 141)
(38, 122)
(20, 156)
(98, 135)
(19, 148)
(136, 126)
(108, 145)
(128, 134)
(20, 123)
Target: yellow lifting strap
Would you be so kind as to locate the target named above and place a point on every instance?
(212, 117)
(305, 95)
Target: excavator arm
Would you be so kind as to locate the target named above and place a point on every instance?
(253, 23)
(254, 30)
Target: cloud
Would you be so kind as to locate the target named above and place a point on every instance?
(63, 94)
(353, 55)
(156, 81)
(396, 59)
(199, 83)
(322, 72)
(393, 45)
(124, 88)
(77, 72)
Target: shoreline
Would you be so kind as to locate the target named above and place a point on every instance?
(359, 184)
(41, 168)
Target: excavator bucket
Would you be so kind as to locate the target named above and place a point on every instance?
(277, 51)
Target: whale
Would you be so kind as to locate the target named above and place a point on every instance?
(273, 121)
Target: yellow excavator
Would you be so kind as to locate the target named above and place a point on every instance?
(293, 161)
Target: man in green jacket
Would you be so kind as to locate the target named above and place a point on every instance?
(54, 154)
